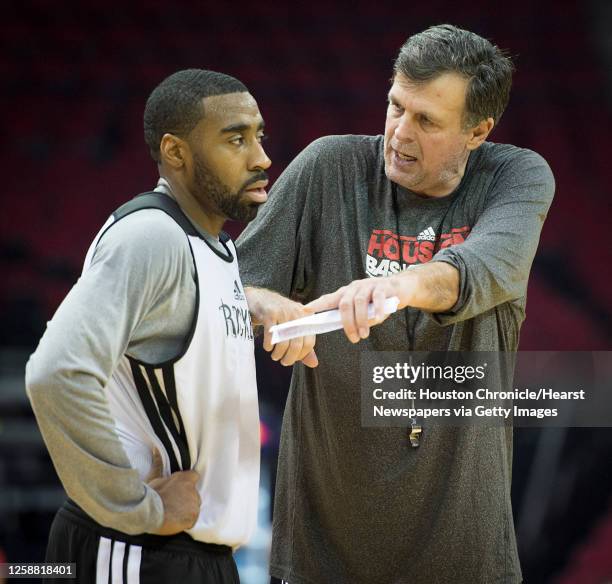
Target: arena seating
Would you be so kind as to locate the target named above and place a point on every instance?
(76, 76)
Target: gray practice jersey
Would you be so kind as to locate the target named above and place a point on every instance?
(358, 505)
(136, 298)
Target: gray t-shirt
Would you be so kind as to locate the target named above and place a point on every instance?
(358, 505)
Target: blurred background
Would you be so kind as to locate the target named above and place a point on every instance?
(75, 76)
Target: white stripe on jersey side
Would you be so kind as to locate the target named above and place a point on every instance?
(117, 562)
(159, 374)
(133, 566)
(145, 375)
(103, 560)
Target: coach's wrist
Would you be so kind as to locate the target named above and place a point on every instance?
(403, 285)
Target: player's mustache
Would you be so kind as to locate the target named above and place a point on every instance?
(260, 176)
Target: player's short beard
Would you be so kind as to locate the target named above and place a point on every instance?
(210, 191)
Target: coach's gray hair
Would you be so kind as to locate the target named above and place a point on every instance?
(446, 48)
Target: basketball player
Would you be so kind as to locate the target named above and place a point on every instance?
(147, 367)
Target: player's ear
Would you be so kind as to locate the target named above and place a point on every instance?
(174, 151)
(478, 134)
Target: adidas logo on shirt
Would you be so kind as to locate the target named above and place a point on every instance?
(238, 295)
(427, 235)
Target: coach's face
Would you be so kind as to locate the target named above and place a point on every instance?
(426, 145)
(227, 174)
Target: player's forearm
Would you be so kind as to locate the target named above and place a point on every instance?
(86, 451)
(432, 287)
(65, 380)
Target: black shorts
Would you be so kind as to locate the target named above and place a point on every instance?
(106, 556)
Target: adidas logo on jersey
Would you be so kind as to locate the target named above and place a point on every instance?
(427, 235)
(238, 295)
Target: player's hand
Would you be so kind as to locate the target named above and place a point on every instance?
(269, 308)
(179, 495)
(352, 301)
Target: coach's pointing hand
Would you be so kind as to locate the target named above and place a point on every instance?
(269, 308)
(431, 287)
(352, 302)
(179, 495)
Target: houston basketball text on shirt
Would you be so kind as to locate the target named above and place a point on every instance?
(389, 253)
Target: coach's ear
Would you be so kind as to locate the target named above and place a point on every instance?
(173, 150)
(478, 134)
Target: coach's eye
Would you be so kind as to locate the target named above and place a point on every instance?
(237, 140)
(426, 122)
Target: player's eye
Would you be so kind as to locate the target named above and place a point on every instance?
(237, 140)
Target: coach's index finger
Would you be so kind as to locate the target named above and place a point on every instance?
(326, 302)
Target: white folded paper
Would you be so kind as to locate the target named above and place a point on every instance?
(321, 322)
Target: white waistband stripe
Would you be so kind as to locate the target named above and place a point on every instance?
(133, 566)
(117, 562)
(103, 561)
